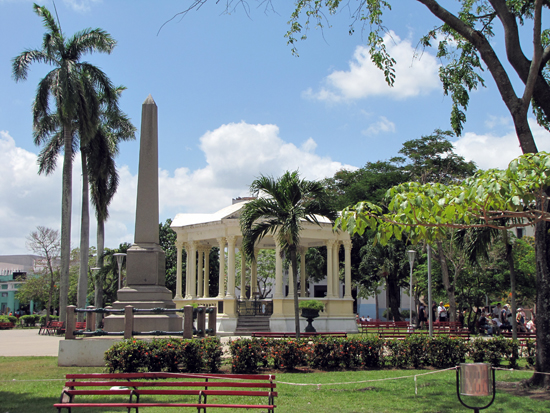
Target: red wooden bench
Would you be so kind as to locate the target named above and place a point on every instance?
(53, 327)
(269, 334)
(151, 389)
(6, 325)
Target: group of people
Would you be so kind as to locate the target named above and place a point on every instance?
(363, 319)
(500, 319)
(439, 313)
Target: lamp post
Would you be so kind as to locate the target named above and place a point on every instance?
(119, 260)
(430, 320)
(412, 254)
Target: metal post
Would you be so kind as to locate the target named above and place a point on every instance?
(70, 324)
(431, 321)
(411, 254)
(128, 321)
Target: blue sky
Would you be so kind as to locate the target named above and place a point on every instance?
(233, 103)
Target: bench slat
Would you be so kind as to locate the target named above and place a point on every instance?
(167, 384)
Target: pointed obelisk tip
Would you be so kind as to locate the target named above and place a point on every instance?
(149, 100)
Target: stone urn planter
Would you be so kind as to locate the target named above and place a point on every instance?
(310, 310)
(309, 315)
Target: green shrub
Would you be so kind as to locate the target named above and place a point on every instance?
(211, 351)
(289, 354)
(8, 319)
(370, 352)
(417, 350)
(246, 355)
(171, 354)
(29, 320)
(530, 351)
(311, 305)
(444, 351)
(494, 351)
(42, 320)
(397, 353)
(128, 356)
(324, 353)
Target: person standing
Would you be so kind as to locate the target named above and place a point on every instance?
(442, 312)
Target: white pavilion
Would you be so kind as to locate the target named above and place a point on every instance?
(198, 233)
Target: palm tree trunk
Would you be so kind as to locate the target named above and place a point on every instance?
(82, 292)
(294, 263)
(66, 210)
(98, 296)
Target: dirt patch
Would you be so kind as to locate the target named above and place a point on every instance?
(517, 389)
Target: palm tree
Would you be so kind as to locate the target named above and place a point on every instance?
(74, 98)
(101, 151)
(284, 205)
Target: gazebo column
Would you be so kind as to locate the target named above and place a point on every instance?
(303, 277)
(254, 274)
(193, 270)
(179, 253)
(207, 272)
(278, 272)
(330, 284)
(336, 269)
(221, 273)
(231, 267)
(243, 275)
(200, 273)
(187, 293)
(347, 268)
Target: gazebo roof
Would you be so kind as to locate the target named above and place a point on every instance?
(205, 229)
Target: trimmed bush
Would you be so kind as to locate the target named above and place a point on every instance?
(42, 320)
(289, 354)
(171, 354)
(29, 320)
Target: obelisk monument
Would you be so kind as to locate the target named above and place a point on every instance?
(146, 262)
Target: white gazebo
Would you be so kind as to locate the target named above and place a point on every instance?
(198, 233)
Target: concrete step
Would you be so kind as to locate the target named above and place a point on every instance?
(249, 324)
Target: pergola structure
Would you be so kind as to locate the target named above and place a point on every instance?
(198, 233)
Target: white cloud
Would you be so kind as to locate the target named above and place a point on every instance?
(414, 77)
(81, 6)
(491, 151)
(235, 153)
(384, 125)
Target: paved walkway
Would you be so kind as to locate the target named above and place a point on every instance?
(27, 342)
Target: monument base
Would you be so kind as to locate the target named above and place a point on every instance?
(145, 322)
(145, 297)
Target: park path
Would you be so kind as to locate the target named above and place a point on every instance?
(27, 342)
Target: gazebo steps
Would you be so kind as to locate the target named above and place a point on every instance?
(249, 324)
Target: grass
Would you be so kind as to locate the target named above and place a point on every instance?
(33, 384)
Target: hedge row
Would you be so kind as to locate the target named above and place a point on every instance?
(172, 355)
(248, 355)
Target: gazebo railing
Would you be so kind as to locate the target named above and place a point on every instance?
(188, 331)
(256, 307)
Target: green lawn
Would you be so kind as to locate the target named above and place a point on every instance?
(33, 384)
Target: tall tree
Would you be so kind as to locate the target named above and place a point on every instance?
(99, 153)
(284, 204)
(516, 197)
(74, 97)
(46, 243)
